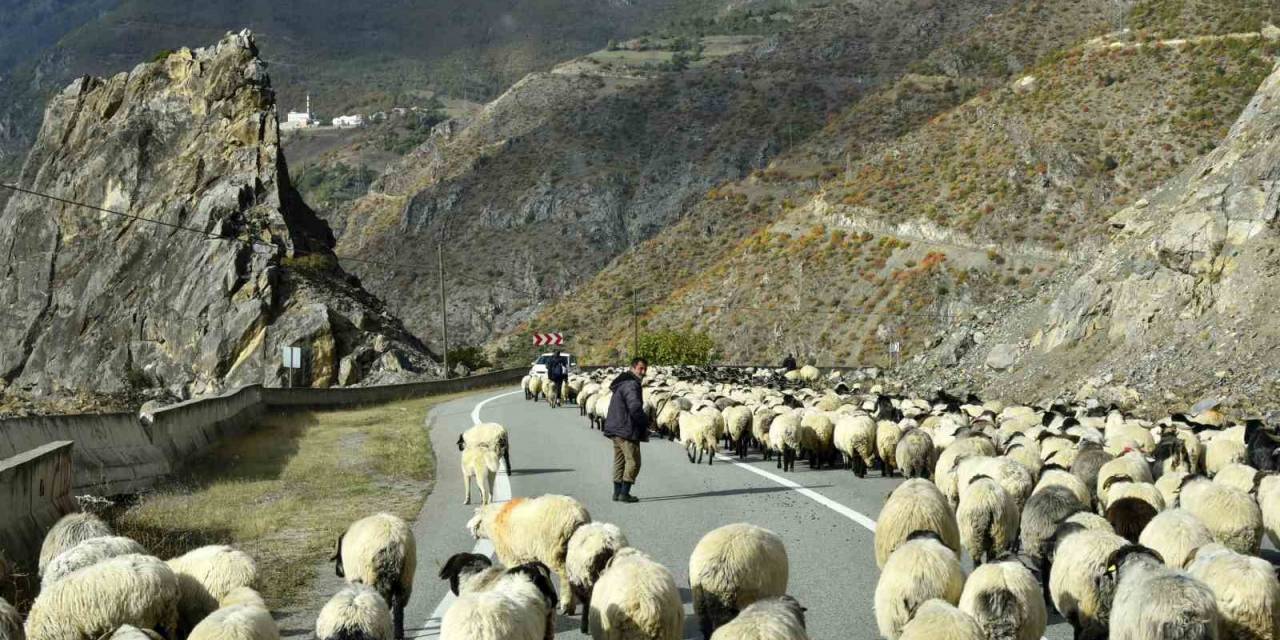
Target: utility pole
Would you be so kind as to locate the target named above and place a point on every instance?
(635, 325)
(444, 311)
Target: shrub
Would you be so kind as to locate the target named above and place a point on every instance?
(672, 347)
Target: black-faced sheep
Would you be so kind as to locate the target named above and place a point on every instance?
(915, 505)
(855, 438)
(590, 549)
(770, 619)
(1080, 561)
(1006, 599)
(205, 576)
(69, 531)
(732, 567)
(525, 530)
(987, 518)
(91, 551)
(1262, 446)
(131, 589)
(817, 438)
(940, 620)
(380, 551)
(1245, 589)
(515, 604)
(356, 612)
(737, 423)
(1175, 534)
(1231, 515)
(914, 453)
(635, 597)
(922, 568)
(1153, 600)
(784, 439)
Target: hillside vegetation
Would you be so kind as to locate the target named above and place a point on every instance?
(920, 205)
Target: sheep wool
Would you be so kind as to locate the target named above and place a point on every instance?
(205, 576)
(1054, 477)
(855, 438)
(1239, 476)
(380, 551)
(987, 518)
(636, 599)
(784, 438)
(771, 619)
(1175, 534)
(699, 435)
(1131, 505)
(69, 531)
(732, 567)
(1006, 600)
(1079, 563)
(1013, 477)
(480, 463)
(888, 433)
(515, 606)
(1245, 589)
(88, 552)
(590, 549)
(131, 589)
(10, 622)
(237, 622)
(1222, 452)
(939, 620)
(1155, 601)
(914, 453)
(1231, 515)
(1269, 504)
(130, 632)
(1170, 486)
(1090, 520)
(533, 529)
(921, 569)
(915, 505)
(356, 612)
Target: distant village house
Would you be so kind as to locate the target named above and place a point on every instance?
(349, 122)
(300, 119)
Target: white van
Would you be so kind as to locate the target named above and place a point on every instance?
(539, 367)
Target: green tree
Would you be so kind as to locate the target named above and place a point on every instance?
(671, 347)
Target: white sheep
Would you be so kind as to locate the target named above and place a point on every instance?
(356, 612)
(237, 622)
(939, 620)
(737, 423)
(920, 569)
(1224, 450)
(525, 530)
(1170, 485)
(1080, 562)
(1012, 476)
(91, 551)
(10, 622)
(480, 463)
(1175, 534)
(69, 531)
(817, 433)
(1153, 600)
(1056, 477)
(1239, 476)
(589, 551)
(698, 435)
(205, 576)
(784, 439)
(131, 589)
(888, 433)
(1130, 467)
(487, 434)
(779, 618)
(1269, 504)
(1006, 600)
(1231, 515)
(987, 518)
(761, 421)
(636, 598)
(732, 567)
(1245, 589)
(915, 505)
(855, 439)
(535, 387)
(515, 604)
(1090, 520)
(380, 551)
(914, 453)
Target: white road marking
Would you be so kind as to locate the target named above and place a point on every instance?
(501, 493)
(867, 523)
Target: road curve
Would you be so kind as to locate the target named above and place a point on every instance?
(825, 517)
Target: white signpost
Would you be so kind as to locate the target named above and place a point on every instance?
(292, 359)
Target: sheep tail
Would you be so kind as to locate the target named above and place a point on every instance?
(1000, 612)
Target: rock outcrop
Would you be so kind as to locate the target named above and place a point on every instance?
(234, 266)
(1182, 304)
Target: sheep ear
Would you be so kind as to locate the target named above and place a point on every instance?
(337, 557)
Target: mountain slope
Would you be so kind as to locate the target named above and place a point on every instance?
(105, 304)
(914, 213)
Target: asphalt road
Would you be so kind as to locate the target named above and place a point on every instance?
(825, 517)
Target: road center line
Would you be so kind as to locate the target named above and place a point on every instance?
(867, 523)
(501, 493)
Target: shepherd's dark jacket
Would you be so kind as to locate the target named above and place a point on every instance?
(626, 418)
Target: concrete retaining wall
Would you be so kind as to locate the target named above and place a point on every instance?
(46, 460)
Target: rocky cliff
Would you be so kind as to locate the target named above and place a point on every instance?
(1179, 308)
(234, 266)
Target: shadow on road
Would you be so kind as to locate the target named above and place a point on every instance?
(728, 492)
(538, 472)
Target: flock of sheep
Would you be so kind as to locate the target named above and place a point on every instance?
(1128, 528)
(95, 584)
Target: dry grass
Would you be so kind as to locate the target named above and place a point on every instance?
(284, 492)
